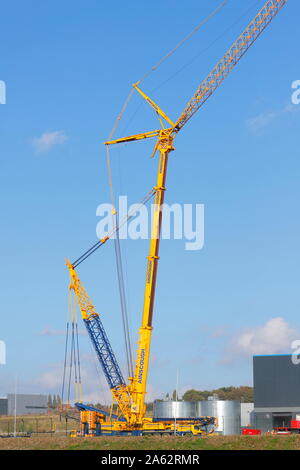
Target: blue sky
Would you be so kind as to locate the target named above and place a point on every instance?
(68, 67)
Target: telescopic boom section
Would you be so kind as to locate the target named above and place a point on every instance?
(101, 344)
(165, 146)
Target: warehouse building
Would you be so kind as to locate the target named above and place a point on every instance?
(26, 404)
(276, 381)
(3, 406)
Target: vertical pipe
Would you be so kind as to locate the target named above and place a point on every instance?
(15, 411)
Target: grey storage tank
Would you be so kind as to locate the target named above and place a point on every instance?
(171, 410)
(227, 412)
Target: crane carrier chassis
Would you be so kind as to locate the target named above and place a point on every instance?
(96, 422)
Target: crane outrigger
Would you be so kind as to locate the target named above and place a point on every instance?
(130, 397)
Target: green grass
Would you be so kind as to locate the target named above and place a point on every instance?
(155, 443)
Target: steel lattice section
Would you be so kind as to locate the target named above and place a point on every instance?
(226, 64)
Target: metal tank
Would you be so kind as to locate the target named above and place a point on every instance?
(227, 412)
(169, 410)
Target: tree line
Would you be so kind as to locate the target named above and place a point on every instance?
(242, 393)
(54, 401)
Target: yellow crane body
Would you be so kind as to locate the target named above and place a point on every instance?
(130, 398)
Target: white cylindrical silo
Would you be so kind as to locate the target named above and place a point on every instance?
(174, 410)
(227, 412)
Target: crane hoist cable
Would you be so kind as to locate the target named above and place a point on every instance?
(123, 302)
(162, 60)
(72, 356)
(202, 51)
(79, 386)
(187, 64)
(99, 243)
(123, 221)
(121, 282)
(76, 352)
(66, 349)
(65, 363)
(185, 39)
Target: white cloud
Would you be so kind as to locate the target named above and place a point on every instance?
(48, 140)
(273, 337)
(263, 120)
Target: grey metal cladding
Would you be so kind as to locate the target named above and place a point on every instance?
(27, 404)
(3, 406)
(276, 381)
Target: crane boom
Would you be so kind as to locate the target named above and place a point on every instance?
(229, 60)
(133, 397)
(165, 145)
(102, 346)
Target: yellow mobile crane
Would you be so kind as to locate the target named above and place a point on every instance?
(130, 398)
